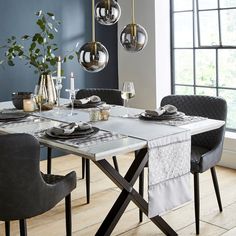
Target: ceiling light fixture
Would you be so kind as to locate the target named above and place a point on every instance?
(93, 56)
(107, 12)
(133, 37)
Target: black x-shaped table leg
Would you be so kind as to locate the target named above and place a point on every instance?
(128, 194)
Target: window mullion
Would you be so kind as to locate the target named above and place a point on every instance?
(194, 44)
(198, 22)
(219, 23)
(172, 51)
(217, 72)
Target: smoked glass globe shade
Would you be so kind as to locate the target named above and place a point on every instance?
(133, 38)
(93, 56)
(107, 12)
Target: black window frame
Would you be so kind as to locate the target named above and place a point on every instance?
(197, 46)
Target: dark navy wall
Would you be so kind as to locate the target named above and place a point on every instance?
(17, 18)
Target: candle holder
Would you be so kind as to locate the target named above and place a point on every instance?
(58, 86)
(72, 93)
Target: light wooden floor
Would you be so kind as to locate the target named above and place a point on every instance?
(87, 218)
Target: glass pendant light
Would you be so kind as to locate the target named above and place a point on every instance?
(133, 37)
(93, 56)
(107, 12)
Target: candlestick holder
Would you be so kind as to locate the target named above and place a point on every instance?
(72, 93)
(58, 86)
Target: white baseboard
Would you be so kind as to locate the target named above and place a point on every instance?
(228, 159)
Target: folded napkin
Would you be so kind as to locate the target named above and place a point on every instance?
(67, 129)
(167, 110)
(92, 99)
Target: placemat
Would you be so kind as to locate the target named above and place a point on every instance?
(15, 123)
(179, 121)
(100, 137)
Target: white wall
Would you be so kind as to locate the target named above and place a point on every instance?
(163, 72)
(150, 68)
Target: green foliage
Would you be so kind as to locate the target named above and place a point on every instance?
(41, 48)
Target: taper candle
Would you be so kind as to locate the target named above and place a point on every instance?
(59, 67)
(72, 81)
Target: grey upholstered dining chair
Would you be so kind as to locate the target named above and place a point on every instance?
(25, 192)
(207, 147)
(110, 96)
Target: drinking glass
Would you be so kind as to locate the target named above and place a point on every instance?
(39, 98)
(72, 99)
(127, 93)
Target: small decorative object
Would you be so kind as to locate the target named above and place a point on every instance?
(38, 51)
(72, 92)
(28, 104)
(107, 12)
(105, 112)
(133, 37)
(93, 56)
(94, 114)
(48, 89)
(17, 99)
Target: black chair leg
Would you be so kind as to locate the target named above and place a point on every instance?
(7, 228)
(23, 228)
(196, 200)
(115, 163)
(88, 180)
(141, 184)
(216, 186)
(49, 161)
(83, 167)
(68, 215)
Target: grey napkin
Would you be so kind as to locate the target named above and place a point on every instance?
(167, 110)
(67, 129)
(92, 99)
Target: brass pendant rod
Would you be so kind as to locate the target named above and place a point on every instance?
(108, 5)
(93, 22)
(133, 18)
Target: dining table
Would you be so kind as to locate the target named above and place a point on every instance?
(118, 135)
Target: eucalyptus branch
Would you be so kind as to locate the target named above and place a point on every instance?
(40, 51)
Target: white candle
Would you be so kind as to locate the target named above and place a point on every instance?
(59, 67)
(72, 81)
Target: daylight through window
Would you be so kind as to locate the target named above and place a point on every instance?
(203, 43)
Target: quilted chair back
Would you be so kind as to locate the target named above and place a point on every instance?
(205, 106)
(110, 96)
(20, 176)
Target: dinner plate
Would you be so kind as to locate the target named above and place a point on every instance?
(88, 105)
(11, 116)
(81, 134)
(162, 117)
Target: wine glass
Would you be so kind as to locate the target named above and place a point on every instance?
(127, 93)
(72, 99)
(38, 93)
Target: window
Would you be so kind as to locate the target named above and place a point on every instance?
(203, 50)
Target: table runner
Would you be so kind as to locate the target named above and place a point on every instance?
(169, 172)
(169, 160)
